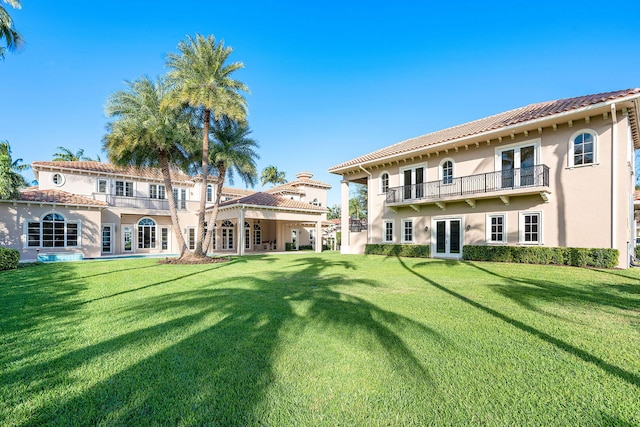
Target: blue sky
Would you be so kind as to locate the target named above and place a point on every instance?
(329, 80)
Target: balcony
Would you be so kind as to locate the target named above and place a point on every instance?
(143, 203)
(501, 184)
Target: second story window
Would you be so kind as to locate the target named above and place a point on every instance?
(124, 188)
(446, 170)
(384, 182)
(157, 191)
(209, 193)
(582, 149)
(102, 186)
(180, 196)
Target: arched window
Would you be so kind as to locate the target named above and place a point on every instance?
(446, 171)
(384, 182)
(227, 235)
(146, 233)
(582, 148)
(247, 235)
(53, 231)
(257, 234)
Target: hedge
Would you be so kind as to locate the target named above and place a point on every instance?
(9, 259)
(577, 257)
(414, 251)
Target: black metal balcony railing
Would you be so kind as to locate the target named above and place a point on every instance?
(143, 203)
(512, 179)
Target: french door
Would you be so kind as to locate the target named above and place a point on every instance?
(448, 237)
(107, 239)
(518, 166)
(413, 182)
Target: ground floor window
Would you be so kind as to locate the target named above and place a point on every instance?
(387, 231)
(407, 230)
(164, 238)
(530, 227)
(146, 233)
(247, 235)
(53, 231)
(191, 238)
(227, 235)
(257, 234)
(496, 232)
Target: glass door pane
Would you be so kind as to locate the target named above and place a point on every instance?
(508, 164)
(441, 237)
(454, 236)
(407, 184)
(527, 163)
(419, 182)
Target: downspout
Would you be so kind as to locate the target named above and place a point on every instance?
(614, 152)
(368, 204)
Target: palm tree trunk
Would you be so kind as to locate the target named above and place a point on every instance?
(166, 176)
(203, 190)
(213, 216)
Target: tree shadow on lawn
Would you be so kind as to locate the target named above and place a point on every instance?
(527, 292)
(220, 371)
(621, 373)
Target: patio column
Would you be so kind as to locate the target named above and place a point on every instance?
(241, 233)
(344, 217)
(318, 237)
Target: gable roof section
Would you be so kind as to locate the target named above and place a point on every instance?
(272, 201)
(58, 197)
(110, 169)
(496, 122)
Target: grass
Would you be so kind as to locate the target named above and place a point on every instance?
(302, 339)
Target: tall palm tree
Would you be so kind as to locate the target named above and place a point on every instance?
(66, 155)
(202, 79)
(8, 32)
(10, 178)
(272, 175)
(233, 153)
(147, 131)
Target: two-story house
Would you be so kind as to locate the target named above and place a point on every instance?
(557, 174)
(92, 209)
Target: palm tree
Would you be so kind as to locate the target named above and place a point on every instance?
(7, 31)
(147, 131)
(202, 79)
(66, 155)
(233, 153)
(272, 175)
(10, 178)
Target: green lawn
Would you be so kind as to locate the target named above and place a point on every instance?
(301, 339)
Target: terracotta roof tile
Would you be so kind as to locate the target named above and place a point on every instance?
(57, 196)
(495, 122)
(238, 192)
(272, 201)
(108, 168)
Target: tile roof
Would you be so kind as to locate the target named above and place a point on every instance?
(272, 201)
(239, 192)
(517, 116)
(108, 168)
(58, 197)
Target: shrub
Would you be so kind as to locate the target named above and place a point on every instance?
(577, 257)
(413, 251)
(9, 259)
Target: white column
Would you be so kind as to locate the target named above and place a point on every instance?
(241, 233)
(344, 217)
(318, 237)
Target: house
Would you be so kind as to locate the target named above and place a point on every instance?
(93, 209)
(556, 174)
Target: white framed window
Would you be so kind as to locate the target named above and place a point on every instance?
(124, 188)
(530, 228)
(583, 148)
(146, 233)
(157, 191)
(180, 196)
(384, 182)
(164, 238)
(407, 231)
(227, 235)
(445, 172)
(52, 231)
(209, 193)
(191, 238)
(496, 228)
(57, 179)
(247, 235)
(517, 164)
(413, 179)
(387, 231)
(103, 185)
(257, 234)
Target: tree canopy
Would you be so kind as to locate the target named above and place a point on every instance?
(8, 34)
